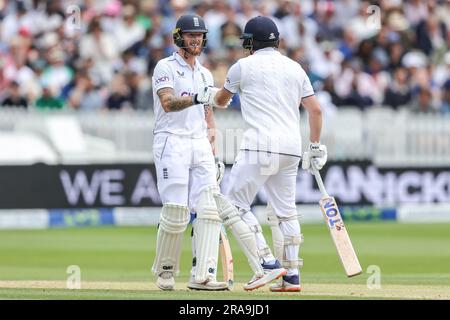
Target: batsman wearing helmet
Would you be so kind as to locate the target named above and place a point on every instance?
(272, 87)
(184, 159)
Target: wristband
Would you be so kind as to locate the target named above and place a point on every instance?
(194, 99)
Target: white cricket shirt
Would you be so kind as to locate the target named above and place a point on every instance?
(173, 72)
(271, 87)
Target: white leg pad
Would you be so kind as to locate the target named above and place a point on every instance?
(282, 243)
(277, 234)
(241, 231)
(207, 234)
(250, 219)
(292, 241)
(172, 224)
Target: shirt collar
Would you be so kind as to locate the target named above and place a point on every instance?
(181, 61)
(265, 51)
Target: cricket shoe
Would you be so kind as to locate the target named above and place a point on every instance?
(208, 285)
(287, 284)
(271, 272)
(165, 280)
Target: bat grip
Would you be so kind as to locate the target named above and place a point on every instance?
(319, 181)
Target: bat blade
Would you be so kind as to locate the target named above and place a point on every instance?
(226, 258)
(340, 236)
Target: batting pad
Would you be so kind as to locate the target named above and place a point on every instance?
(207, 234)
(285, 247)
(172, 224)
(241, 231)
(277, 234)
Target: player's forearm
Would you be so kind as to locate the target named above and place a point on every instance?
(222, 98)
(211, 124)
(209, 118)
(170, 103)
(315, 125)
(312, 106)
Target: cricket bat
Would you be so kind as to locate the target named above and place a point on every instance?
(226, 258)
(338, 231)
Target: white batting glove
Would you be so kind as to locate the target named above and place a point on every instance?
(206, 96)
(315, 158)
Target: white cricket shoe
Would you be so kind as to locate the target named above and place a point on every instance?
(166, 280)
(208, 285)
(287, 284)
(271, 272)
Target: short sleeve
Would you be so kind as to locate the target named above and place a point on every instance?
(162, 76)
(233, 80)
(307, 87)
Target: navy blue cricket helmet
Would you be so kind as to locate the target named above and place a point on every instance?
(189, 23)
(260, 32)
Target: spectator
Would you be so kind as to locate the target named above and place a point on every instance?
(128, 31)
(48, 100)
(431, 35)
(298, 29)
(354, 87)
(415, 11)
(398, 93)
(359, 23)
(347, 46)
(130, 63)
(86, 96)
(445, 107)
(214, 19)
(56, 75)
(12, 23)
(101, 48)
(120, 97)
(423, 102)
(328, 86)
(14, 98)
(141, 93)
(396, 52)
(327, 61)
(142, 48)
(380, 78)
(230, 30)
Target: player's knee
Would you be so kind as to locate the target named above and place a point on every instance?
(290, 224)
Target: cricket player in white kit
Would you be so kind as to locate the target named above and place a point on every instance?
(184, 160)
(272, 87)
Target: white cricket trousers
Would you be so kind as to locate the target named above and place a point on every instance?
(184, 167)
(277, 173)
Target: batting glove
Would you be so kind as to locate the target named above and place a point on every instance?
(315, 158)
(206, 96)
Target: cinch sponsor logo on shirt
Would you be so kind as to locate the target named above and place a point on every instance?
(162, 79)
(185, 93)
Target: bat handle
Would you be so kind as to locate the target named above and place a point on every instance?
(319, 181)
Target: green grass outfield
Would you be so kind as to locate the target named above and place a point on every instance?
(414, 260)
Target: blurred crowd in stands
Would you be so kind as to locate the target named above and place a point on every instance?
(100, 55)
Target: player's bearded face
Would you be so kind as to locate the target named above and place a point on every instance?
(194, 43)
